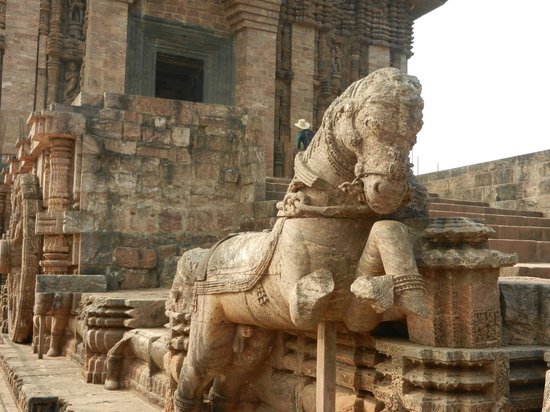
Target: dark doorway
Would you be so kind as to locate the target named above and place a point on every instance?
(179, 78)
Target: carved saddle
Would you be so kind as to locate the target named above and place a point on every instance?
(237, 262)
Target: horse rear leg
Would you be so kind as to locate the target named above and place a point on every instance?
(209, 352)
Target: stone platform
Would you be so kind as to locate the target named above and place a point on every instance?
(56, 384)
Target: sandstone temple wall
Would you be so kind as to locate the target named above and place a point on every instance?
(519, 182)
(204, 13)
(156, 177)
(287, 60)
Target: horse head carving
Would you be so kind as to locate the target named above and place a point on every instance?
(364, 142)
(330, 256)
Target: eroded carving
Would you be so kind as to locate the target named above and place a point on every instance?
(19, 254)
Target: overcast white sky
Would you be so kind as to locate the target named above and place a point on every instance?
(484, 66)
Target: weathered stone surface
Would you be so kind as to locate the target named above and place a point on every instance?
(181, 136)
(78, 222)
(518, 182)
(56, 383)
(428, 374)
(70, 283)
(134, 258)
(525, 306)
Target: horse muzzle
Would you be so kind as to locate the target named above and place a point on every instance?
(384, 195)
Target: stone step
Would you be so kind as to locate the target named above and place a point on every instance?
(493, 219)
(278, 180)
(436, 199)
(274, 195)
(521, 232)
(534, 270)
(527, 250)
(461, 208)
(275, 187)
(57, 384)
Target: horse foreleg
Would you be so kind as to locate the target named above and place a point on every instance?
(208, 353)
(387, 270)
(310, 297)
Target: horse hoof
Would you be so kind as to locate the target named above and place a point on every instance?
(378, 291)
(310, 297)
(412, 301)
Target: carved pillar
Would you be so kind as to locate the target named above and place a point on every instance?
(41, 75)
(256, 28)
(57, 257)
(52, 145)
(56, 252)
(106, 19)
(55, 46)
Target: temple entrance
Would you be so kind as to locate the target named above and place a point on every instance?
(179, 78)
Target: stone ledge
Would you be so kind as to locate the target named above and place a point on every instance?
(56, 382)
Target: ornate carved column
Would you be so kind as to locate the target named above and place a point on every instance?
(256, 28)
(42, 63)
(56, 252)
(55, 46)
(52, 139)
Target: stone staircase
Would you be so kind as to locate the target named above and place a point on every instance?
(526, 233)
(275, 187)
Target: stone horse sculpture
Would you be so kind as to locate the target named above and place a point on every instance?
(331, 254)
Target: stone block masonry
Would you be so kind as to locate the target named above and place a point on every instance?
(161, 174)
(204, 13)
(520, 182)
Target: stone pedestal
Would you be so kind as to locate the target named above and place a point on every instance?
(103, 319)
(422, 378)
(460, 275)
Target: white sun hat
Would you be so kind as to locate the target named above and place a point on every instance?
(302, 124)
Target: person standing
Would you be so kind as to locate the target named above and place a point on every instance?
(304, 136)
